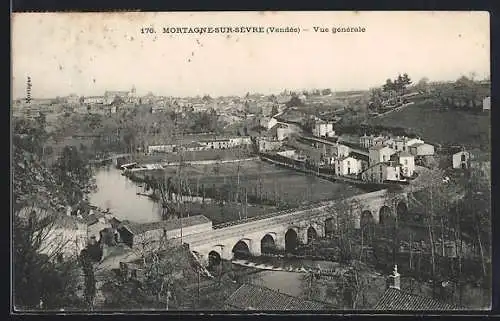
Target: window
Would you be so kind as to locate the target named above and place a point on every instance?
(133, 274)
(384, 158)
(463, 157)
(381, 177)
(348, 163)
(406, 162)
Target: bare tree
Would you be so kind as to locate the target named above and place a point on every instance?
(430, 226)
(162, 261)
(38, 254)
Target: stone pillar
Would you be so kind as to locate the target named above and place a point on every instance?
(376, 215)
(280, 242)
(228, 253)
(320, 229)
(356, 216)
(255, 249)
(302, 235)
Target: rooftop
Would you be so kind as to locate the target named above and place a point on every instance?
(405, 154)
(420, 144)
(359, 156)
(168, 224)
(325, 140)
(394, 299)
(252, 297)
(118, 92)
(378, 147)
(193, 145)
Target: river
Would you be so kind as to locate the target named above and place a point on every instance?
(118, 193)
(284, 282)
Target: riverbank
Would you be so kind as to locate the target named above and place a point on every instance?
(118, 194)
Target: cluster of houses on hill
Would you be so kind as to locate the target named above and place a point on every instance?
(375, 159)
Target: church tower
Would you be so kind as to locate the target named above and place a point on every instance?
(28, 90)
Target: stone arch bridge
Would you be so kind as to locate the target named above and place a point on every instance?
(296, 225)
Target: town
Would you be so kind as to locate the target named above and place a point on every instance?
(285, 165)
(319, 172)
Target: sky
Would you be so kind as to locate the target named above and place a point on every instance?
(89, 53)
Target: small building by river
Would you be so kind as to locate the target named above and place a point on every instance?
(134, 235)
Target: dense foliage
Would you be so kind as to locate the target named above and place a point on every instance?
(40, 195)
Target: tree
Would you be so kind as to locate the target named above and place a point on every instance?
(356, 283)
(326, 92)
(467, 91)
(39, 273)
(476, 213)
(422, 86)
(74, 174)
(274, 110)
(294, 102)
(38, 276)
(90, 281)
(376, 99)
(311, 287)
(165, 264)
(388, 86)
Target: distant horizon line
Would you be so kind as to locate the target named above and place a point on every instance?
(485, 79)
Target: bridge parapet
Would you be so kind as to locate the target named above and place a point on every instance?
(222, 240)
(368, 201)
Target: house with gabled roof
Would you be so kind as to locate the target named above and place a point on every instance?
(407, 162)
(347, 166)
(253, 297)
(394, 299)
(380, 153)
(136, 234)
(383, 172)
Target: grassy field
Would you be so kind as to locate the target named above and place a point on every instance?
(225, 154)
(441, 126)
(263, 180)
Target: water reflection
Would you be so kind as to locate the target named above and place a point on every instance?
(118, 194)
(285, 282)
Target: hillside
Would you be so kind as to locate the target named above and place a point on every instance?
(440, 126)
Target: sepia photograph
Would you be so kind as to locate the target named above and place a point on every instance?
(242, 162)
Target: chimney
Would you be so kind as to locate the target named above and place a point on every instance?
(394, 279)
(92, 240)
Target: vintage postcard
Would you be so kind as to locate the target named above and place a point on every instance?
(251, 161)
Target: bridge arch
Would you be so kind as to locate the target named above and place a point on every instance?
(241, 249)
(366, 218)
(330, 227)
(291, 240)
(214, 258)
(312, 234)
(402, 210)
(386, 215)
(268, 243)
